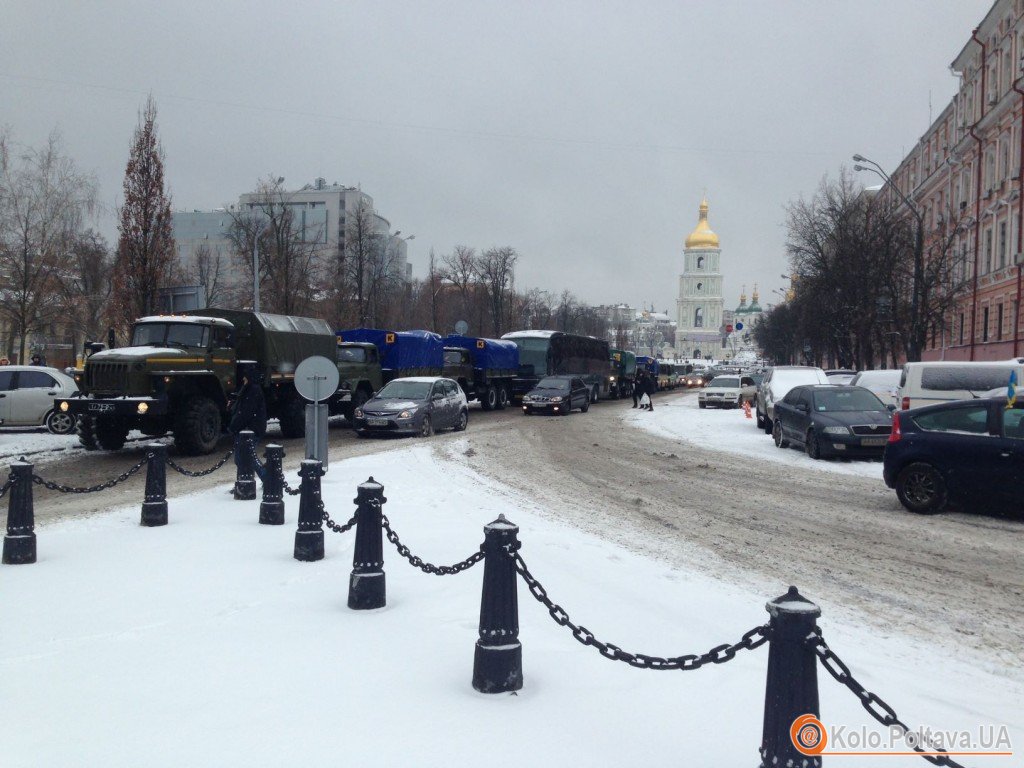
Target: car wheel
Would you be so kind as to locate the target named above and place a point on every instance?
(813, 446)
(361, 433)
(767, 425)
(426, 429)
(593, 395)
(921, 489)
(60, 423)
(585, 407)
(701, 405)
(780, 441)
(760, 420)
(463, 421)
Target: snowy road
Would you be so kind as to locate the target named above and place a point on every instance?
(746, 518)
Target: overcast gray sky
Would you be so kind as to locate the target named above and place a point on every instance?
(581, 133)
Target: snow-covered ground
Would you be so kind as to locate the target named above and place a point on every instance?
(205, 643)
(729, 430)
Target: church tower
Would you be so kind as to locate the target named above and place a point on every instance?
(700, 303)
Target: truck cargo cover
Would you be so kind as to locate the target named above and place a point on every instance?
(487, 354)
(401, 349)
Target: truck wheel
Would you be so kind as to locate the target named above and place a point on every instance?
(490, 399)
(293, 418)
(502, 397)
(87, 432)
(198, 427)
(111, 434)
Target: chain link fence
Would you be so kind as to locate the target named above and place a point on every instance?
(203, 472)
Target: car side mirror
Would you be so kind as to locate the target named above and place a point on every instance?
(802, 407)
(891, 407)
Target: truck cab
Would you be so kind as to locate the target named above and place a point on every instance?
(359, 371)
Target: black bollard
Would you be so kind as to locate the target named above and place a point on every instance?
(366, 585)
(154, 508)
(309, 539)
(498, 661)
(20, 541)
(245, 452)
(272, 506)
(791, 690)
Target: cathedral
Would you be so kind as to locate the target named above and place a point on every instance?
(700, 303)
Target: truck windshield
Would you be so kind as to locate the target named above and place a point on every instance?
(406, 390)
(351, 355)
(170, 335)
(452, 357)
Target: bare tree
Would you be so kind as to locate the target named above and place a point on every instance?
(86, 288)
(496, 268)
(289, 263)
(359, 254)
(208, 269)
(461, 269)
(145, 247)
(43, 202)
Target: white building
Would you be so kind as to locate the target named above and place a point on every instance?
(700, 303)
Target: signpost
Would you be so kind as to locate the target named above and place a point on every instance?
(316, 379)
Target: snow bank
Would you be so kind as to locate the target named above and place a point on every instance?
(205, 643)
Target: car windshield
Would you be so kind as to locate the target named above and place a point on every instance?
(170, 335)
(846, 400)
(724, 382)
(559, 384)
(406, 390)
(351, 355)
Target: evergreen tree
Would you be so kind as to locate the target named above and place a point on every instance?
(145, 248)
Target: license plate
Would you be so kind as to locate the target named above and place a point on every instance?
(101, 407)
(873, 442)
(377, 422)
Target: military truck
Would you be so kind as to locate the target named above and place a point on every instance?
(179, 371)
(368, 358)
(484, 368)
(623, 372)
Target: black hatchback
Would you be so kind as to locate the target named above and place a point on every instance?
(830, 420)
(557, 395)
(965, 451)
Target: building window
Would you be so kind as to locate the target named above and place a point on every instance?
(1002, 245)
(700, 262)
(988, 252)
(698, 318)
(699, 287)
(961, 327)
(984, 324)
(999, 322)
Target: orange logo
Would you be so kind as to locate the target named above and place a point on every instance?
(808, 735)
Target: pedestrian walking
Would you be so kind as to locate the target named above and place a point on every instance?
(651, 387)
(37, 360)
(249, 410)
(638, 387)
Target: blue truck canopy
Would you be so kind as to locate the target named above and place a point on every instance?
(487, 354)
(648, 363)
(401, 350)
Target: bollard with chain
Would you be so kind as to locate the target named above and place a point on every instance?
(309, 539)
(20, 541)
(791, 690)
(245, 480)
(366, 585)
(498, 661)
(154, 507)
(272, 506)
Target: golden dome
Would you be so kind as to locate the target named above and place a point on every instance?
(702, 236)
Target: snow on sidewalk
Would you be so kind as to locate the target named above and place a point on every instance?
(729, 431)
(205, 643)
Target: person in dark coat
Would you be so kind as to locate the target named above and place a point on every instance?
(650, 387)
(249, 411)
(638, 387)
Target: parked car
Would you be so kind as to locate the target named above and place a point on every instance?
(928, 383)
(417, 405)
(967, 451)
(840, 376)
(884, 383)
(727, 392)
(27, 393)
(833, 420)
(778, 380)
(557, 395)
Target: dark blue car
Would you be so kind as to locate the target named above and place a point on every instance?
(969, 452)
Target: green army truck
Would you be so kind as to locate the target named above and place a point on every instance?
(179, 371)
(359, 375)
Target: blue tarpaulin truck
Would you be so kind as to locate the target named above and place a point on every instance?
(484, 368)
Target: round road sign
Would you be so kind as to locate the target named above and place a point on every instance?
(728, 329)
(461, 327)
(739, 326)
(316, 378)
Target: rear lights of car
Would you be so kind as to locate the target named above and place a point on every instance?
(905, 405)
(896, 434)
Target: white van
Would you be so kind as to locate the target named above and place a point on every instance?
(938, 382)
(883, 382)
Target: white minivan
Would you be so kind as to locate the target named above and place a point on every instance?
(775, 385)
(933, 382)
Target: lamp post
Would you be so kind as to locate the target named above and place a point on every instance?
(917, 330)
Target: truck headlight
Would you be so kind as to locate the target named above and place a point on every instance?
(142, 408)
(345, 385)
(611, 379)
(64, 406)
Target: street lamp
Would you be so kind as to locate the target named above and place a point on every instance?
(917, 329)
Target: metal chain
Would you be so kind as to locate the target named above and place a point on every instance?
(333, 525)
(875, 706)
(11, 480)
(288, 489)
(201, 473)
(436, 570)
(91, 488)
(718, 655)
(255, 457)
